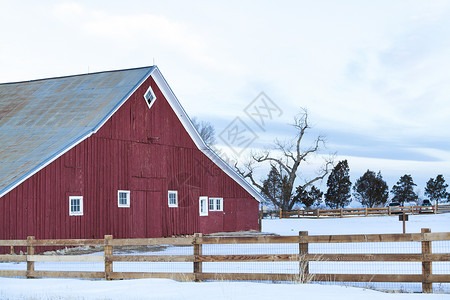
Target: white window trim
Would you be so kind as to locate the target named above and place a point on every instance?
(127, 204)
(75, 213)
(206, 206)
(176, 198)
(149, 97)
(215, 203)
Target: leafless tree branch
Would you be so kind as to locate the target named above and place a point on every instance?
(292, 154)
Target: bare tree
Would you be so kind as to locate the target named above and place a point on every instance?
(287, 163)
(206, 131)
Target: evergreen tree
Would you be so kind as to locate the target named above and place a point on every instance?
(371, 190)
(310, 198)
(404, 190)
(436, 189)
(274, 187)
(339, 184)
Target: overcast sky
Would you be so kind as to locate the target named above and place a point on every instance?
(374, 75)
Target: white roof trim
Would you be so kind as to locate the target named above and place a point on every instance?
(201, 145)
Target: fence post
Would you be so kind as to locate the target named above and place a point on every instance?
(303, 251)
(389, 209)
(427, 286)
(318, 213)
(281, 213)
(11, 251)
(108, 252)
(365, 213)
(341, 212)
(30, 251)
(197, 253)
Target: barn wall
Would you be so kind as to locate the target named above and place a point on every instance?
(145, 151)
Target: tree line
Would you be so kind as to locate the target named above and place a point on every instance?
(371, 190)
(286, 159)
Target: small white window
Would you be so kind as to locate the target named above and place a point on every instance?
(75, 205)
(216, 204)
(173, 198)
(123, 198)
(203, 206)
(149, 97)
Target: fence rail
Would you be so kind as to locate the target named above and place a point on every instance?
(361, 212)
(303, 257)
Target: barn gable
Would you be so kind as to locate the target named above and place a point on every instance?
(93, 140)
(41, 120)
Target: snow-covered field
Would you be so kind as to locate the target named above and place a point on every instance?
(169, 289)
(12, 288)
(358, 225)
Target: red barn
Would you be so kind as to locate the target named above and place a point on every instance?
(111, 153)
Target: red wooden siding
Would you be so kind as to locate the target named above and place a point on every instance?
(146, 151)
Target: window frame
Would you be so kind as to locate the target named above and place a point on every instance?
(76, 213)
(149, 97)
(200, 206)
(176, 198)
(127, 198)
(217, 203)
(211, 204)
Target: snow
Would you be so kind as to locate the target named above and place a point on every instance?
(169, 289)
(17, 288)
(358, 225)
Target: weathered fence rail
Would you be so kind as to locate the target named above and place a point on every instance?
(198, 258)
(361, 212)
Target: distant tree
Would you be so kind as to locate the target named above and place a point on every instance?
(404, 190)
(339, 185)
(436, 189)
(274, 186)
(206, 131)
(371, 190)
(419, 199)
(310, 198)
(288, 160)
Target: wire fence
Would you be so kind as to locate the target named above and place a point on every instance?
(401, 262)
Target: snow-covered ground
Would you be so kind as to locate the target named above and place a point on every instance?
(168, 289)
(358, 225)
(13, 288)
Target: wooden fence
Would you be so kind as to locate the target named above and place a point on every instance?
(303, 257)
(361, 212)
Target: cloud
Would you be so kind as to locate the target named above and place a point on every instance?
(147, 32)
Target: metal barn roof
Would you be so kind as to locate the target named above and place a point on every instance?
(41, 119)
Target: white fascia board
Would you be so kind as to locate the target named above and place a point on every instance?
(201, 145)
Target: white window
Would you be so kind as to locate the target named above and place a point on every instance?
(173, 198)
(203, 206)
(149, 97)
(123, 198)
(216, 204)
(75, 205)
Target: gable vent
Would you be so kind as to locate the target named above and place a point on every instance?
(149, 97)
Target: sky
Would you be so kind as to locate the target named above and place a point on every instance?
(373, 75)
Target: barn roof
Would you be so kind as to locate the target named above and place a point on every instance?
(42, 119)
